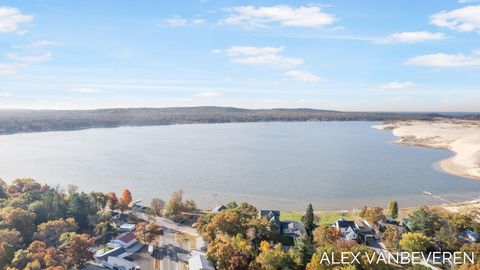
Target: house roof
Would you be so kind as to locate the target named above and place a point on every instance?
(219, 208)
(111, 253)
(342, 223)
(126, 237)
(199, 262)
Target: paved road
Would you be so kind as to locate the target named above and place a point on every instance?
(169, 224)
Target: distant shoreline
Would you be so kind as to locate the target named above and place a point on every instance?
(462, 137)
(28, 121)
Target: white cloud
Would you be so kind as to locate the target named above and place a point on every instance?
(10, 18)
(178, 21)
(443, 60)
(303, 76)
(411, 37)
(261, 56)
(29, 59)
(208, 94)
(86, 90)
(5, 95)
(8, 69)
(395, 86)
(464, 19)
(37, 44)
(304, 16)
(216, 51)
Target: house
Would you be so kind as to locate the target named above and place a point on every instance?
(219, 209)
(124, 240)
(273, 216)
(198, 261)
(127, 227)
(472, 237)
(293, 228)
(390, 220)
(347, 228)
(120, 264)
(102, 257)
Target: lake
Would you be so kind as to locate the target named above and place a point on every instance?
(334, 165)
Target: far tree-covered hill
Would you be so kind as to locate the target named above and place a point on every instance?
(15, 121)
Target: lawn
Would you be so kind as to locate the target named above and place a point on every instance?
(326, 218)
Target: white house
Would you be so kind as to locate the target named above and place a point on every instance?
(198, 261)
(124, 240)
(347, 228)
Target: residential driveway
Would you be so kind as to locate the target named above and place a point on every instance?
(169, 224)
(143, 259)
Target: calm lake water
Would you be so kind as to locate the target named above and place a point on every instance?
(334, 165)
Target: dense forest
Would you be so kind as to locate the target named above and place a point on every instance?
(17, 121)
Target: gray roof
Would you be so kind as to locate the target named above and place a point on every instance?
(342, 223)
(112, 253)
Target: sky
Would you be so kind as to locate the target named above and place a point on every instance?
(371, 55)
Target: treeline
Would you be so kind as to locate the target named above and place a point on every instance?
(17, 121)
(42, 227)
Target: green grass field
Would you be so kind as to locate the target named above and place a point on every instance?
(325, 218)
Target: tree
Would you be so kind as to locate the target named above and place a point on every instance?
(100, 198)
(459, 222)
(446, 238)
(38, 256)
(393, 209)
(49, 232)
(3, 190)
(308, 220)
(112, 200)
(227, 252)
(301, 252)
(124, 200)
(414, 242)
(19, 220)
(424, 221)
(472, 248)
(80, 207)
(10, 241)
(157, 205)
(175, 204)
(316, 263)
(391, 237)
(146, 233)
(325, 235)
(273, 258)
(190, 205)
(22, 186)
(373, 215)
(77, 248)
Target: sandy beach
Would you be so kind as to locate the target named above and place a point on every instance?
(459, 136)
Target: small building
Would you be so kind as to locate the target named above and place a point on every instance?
(102, 257)
(293, 228)
(120, 264)
(219, 209)
(124, 240)
(274, 217)
(127, 227)
(347, 228)
(471, 236)
(198, 261)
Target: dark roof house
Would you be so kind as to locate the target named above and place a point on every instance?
(273, 216)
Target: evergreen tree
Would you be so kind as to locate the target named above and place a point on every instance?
(393, 209)
(309, 221)
(302, 252)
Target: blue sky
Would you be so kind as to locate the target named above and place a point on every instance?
(345, 55)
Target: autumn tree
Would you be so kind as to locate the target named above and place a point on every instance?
(414, 242)
(22, 186)
(373, 215)
(124, 200)
(273, 258)
(157, 206)
(100, 198)
(175, 204)
(77, 248)
(325, 235)
(392, 209)
(190, 205)
(459, 222)
(308, 220)
(38, 254)
(19, 220)
(447, 238)
(391, 237)
(147, 232)
(49, 232)
(10, 240)
(112, 200)
(227, 252)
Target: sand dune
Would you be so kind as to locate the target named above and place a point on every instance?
(459, 136)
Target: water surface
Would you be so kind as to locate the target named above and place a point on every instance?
(334, 165)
